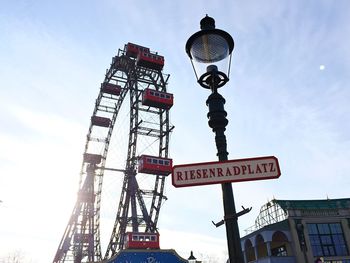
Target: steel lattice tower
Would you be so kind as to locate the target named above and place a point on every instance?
(81, 239)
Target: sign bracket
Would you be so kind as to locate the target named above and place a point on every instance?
(243, 212)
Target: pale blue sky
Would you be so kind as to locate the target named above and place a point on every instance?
(288, 96)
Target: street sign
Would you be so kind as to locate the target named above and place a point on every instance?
(249, 169)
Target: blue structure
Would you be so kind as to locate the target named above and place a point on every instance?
(147, 256)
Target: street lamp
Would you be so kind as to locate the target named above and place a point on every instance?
(210, 51)
(192, 258)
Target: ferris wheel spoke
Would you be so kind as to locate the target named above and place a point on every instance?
(113, 147)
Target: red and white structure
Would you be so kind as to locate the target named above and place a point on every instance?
(134, 91)
(157, 99)
(155, 165)
(141, 240)
(240, 170)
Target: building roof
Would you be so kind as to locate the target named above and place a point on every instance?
(286, 205)
(279, 226)
(276, 211)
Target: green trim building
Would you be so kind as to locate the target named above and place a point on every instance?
(300, 231)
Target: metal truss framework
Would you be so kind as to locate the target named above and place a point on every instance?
(81, 239)
(270, 213)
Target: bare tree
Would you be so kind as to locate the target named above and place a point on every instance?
(205, 258)
(14, 257)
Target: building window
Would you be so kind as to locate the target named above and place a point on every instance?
(327, 239)
(279, 251)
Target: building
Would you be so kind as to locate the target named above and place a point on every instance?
(300, 231)
(146, 256)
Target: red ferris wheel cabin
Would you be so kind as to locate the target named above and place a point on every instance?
(144, 57)
(110, 88)
(157, 99)
(132, 50)
(155, 165)
(149, 60)
(141, 240)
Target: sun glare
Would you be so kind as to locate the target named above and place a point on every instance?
(42, 174)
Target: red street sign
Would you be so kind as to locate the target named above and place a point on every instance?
(249, 169)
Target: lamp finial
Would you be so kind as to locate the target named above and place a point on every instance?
(207, 22)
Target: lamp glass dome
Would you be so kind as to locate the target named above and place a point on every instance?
(209, 48)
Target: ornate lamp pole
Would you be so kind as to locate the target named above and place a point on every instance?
(210, 51)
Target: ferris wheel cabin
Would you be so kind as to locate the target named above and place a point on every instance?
(92, 158)
(141, 240)
(83, 238)
(157, 99)
(100, 121)
(111, 89)
(149, 60)
(132, 50)
(155, 165)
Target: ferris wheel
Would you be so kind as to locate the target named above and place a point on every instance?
(125, 160)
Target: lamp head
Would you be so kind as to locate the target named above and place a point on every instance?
(210, 46)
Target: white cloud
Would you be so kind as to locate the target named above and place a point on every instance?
(39, 179)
